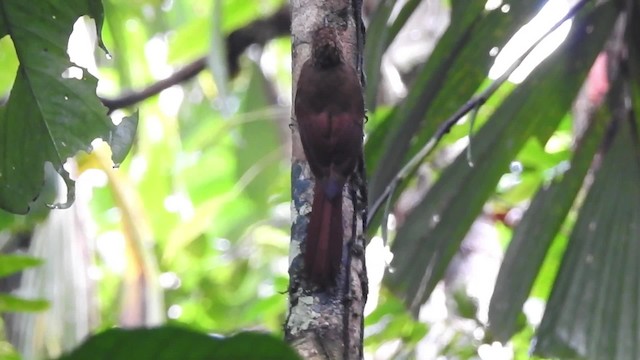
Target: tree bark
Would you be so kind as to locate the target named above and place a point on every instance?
(326, 323)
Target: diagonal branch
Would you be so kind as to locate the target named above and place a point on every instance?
(474, 103)
(134, 97)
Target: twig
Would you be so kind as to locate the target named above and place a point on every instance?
(135, 97)
(475, 103)
(257, 32)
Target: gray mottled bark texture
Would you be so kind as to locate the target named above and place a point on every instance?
(326, 323)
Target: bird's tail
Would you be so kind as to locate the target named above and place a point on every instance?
(323, 252)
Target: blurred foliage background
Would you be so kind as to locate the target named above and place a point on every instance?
(193, 227)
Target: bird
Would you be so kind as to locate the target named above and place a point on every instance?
(329, 110)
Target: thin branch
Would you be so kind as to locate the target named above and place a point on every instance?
(475, 103)
(135, 97)
(257, 32)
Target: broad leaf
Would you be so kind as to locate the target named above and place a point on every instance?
(535, 232)
(432, 233)
(47, 118)
(180, 343)
(593, 308)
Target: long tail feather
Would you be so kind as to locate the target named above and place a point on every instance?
(323, 252)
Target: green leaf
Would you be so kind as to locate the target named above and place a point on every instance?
(47, 118)
(121, 138)
(180, 343)
(10, 303)
(217, 58)
(7, 351)
(96, 12)
(400, 20)
(260, 150)
(593, 308)
(190, 40)
(10, 264)
(454, 71)
(535, 233)
(391, 321)
(8, 64)
(432, 233)
(373, 50)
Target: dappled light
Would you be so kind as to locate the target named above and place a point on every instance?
(550, 13)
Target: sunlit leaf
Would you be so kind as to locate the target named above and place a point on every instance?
(8, 64)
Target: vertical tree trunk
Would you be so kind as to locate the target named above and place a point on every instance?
(326, 323)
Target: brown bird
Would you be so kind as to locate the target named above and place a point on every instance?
(329, 108)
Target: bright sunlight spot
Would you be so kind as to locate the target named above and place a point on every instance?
(550, 14)
(82, 39)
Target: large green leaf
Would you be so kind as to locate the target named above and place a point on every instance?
(432, 233)
(534, 234)
(47, 118)
(180, 343)
(453, 72)
(593, 308)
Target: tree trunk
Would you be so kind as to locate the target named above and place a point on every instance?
(326, 322)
